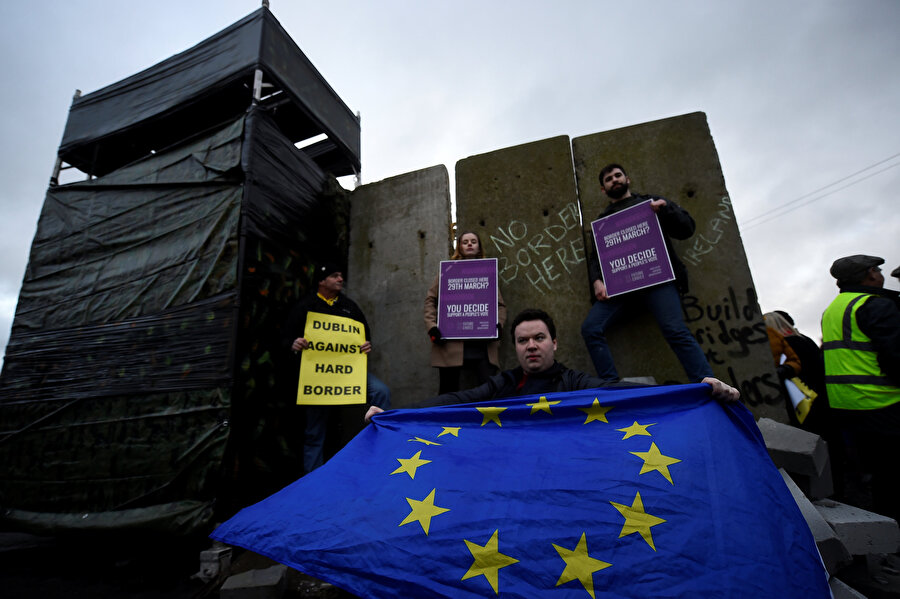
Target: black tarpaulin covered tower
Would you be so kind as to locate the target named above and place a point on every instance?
(142, 382)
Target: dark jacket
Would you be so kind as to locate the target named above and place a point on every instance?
(675, 223)
(296, 322)
(879, 319)
(515, 383)
(812, 364)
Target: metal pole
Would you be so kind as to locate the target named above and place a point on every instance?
(54, 176)
(357, 180)
(257, 85)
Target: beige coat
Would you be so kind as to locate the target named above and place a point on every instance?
(450, 353)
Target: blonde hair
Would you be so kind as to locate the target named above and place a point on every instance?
(780, 324)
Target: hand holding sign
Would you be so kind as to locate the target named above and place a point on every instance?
(333, 369)
(631, 249)
(467, 300)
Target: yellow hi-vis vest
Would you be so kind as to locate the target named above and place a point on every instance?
(853, 377)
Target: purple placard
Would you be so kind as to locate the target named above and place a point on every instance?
(467, 299)
(632, 250)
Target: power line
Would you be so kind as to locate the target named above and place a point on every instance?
(793, 205)
(784, 210)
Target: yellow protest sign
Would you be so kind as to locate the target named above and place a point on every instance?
(333, 368)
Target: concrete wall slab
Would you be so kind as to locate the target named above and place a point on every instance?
(522, 202)
(676, 158)
(399, 232)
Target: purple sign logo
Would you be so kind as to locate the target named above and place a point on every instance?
(632, 250)
(467, 299)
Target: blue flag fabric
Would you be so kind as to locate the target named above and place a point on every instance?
(649, 492)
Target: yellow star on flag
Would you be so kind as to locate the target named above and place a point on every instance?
(423, 511)
(579, 565)
(636, 429)
(409, 465)
(488, 561)
(596, 412)
(450, 430)
(490, 415)
(542, 405)
(637, 520)
(421, 440)
(654, 460)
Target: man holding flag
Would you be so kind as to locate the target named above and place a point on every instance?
(534, 337)
(612, 492)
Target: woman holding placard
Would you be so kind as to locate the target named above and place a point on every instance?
(470, 360)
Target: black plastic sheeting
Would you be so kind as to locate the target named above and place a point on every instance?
(156, 352)
(284, 204)
(142, 384)
(208, 84)
(157, 234)
(294, 217)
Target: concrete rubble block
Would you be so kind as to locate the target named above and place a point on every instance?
(267, 583)
(861, 532)
(817, 486)
(876, 576)
(214, 561)
(834, 554)
(840, 590)
(793, 449)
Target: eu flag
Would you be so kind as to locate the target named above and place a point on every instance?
(649, 492)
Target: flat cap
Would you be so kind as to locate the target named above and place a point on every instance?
(896, 272)
(852, 269)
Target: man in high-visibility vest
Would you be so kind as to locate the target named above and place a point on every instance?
(861, 343)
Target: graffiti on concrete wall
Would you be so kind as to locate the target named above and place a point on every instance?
(703, 243)
(726, 330)
(540, 255)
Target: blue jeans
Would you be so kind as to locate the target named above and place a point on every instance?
(377, 394)
(664, 303)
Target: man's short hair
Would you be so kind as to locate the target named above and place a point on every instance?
(533, 314)
(610, 168)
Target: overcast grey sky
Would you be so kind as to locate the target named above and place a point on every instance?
(799, 96)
